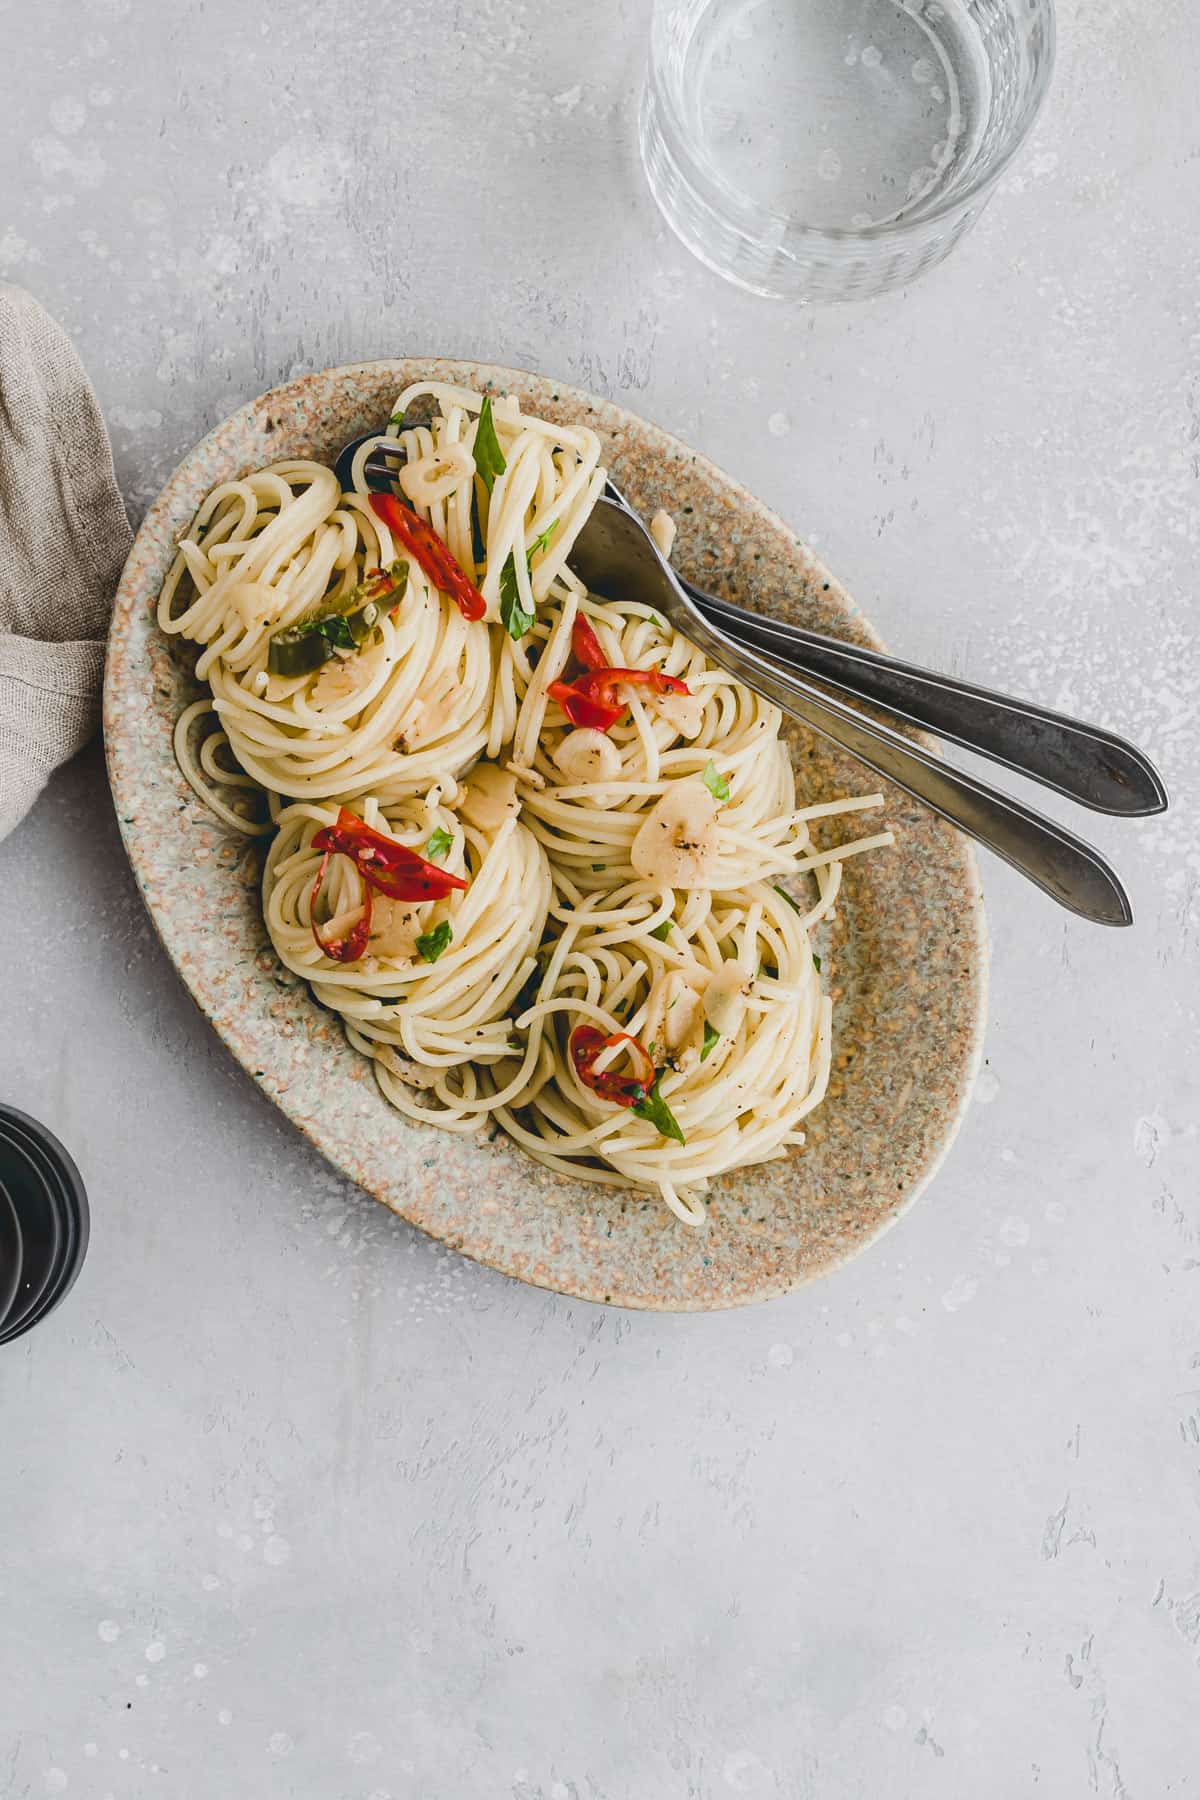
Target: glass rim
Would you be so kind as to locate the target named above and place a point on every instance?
(749, 216)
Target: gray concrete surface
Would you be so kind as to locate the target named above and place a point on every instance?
(294, 1503)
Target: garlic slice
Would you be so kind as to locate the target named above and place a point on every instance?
(435, 477)
(339, 679)
(490, 797)
(677, 843)
(725, 998)
(395, 925)
(673, 1028)
(684, 711)
(587, 755)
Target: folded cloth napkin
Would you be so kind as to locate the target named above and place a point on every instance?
(64, 538)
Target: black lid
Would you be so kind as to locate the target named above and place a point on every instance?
(11, 1249)
(50, 1202)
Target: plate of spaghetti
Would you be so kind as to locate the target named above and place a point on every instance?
(546, 930)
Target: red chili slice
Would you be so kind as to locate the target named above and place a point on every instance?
(426, 547)
(391, 868)
(591, 699)
(386, 868)
(581, 710)
(587, 1042)
(586, 644)
(354, 944)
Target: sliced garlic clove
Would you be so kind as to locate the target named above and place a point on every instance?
(490, 797)
(435, 477)
(725, 998)
(673, 1029)
(685, 712)
(395, 926)
(587, 755)
(677, 843)
(340, 679)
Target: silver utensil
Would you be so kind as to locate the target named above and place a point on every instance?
(615, 556)
(1081, 761)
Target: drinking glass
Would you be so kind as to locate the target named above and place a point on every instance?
(831, 149)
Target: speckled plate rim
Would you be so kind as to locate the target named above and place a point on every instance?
(658, 1265)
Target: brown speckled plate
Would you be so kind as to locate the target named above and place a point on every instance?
(906, 957)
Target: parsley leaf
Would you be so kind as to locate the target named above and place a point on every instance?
(396, 422)
(513, 617)
(716, 783)
(478, 547)
(438, 845)
(816, 962)
(662, 931)
(711, 1040)
(489, 457)
(784, 895)
(541, 542)
(653, 1107)
(430, 944)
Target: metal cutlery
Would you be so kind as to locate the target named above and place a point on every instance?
(615, 556)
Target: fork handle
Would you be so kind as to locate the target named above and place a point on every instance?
(1062, 865)
(1081, 761)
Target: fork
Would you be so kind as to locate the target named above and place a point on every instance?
(615, 557)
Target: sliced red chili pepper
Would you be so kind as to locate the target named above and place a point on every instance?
(593, 714)
(598, 683)
(591, 699)
(585, 643)
(354, 944)
(622, 1089)
(390, 868)
(426, 547)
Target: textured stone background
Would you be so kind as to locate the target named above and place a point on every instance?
(294, 1503)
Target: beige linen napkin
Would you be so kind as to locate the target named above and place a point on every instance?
(64, 538)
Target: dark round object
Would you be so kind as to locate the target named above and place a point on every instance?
(28, 1147)
(10, 1252)
(39, 1207)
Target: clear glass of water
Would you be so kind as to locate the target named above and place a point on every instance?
(831, 149)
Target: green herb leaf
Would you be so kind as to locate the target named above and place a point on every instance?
(396, 423)
(489, 457)
(784, 895)
(654, 1108)
(716, 783)
(430, 944)
(438, 845)
(478, 547)
(513, 617)
(816, 962)
(597, 868)
(541, 542)
(336, 631)
(662, 931)
(711, 1040)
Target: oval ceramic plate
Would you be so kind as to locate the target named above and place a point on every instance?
(906, 957)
